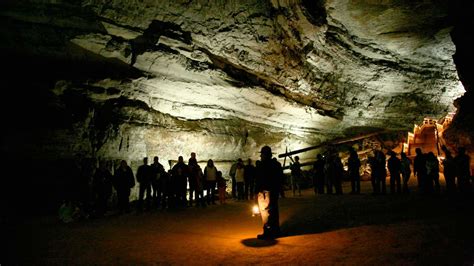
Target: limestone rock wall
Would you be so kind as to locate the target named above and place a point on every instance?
(127, 79)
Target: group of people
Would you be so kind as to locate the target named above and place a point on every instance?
(182, 185)
(329, 172)
(157, 187)
(264, 181)
(167, 189)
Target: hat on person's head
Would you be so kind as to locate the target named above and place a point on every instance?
(266, 150)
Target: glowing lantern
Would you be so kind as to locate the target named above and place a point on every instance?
(255, 210)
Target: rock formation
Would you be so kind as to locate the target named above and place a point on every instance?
(127, 79)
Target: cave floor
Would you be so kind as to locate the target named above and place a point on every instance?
(319, 230)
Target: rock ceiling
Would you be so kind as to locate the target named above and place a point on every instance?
(134, 78)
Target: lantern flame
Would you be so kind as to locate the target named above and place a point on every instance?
(255, 210)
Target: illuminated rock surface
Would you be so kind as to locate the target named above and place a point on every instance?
(127, 79)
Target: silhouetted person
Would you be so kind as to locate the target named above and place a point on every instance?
(380, 161)
(432, 173)
(296, 176)
(282, 178)
(268, 173)
(339, 174)
(334, 172)
(373, 175)
(180, 172)
(102, 187)
(232, 170)
(463, 173)
(318, 175)
(394, 167)
(192, 159)
(144, 178)
(158, 181)
(328, 173)
(193, 179)
(405, 169)
(167, 189)
(221, 186)
(196, 184)
(419, 168)
(210, 175)
(449, 170)
(354, 174)
(240, 179)
(249, 176)
(123, 182)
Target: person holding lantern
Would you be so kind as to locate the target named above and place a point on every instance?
(267, 186)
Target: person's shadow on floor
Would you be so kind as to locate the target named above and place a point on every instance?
(258, 243)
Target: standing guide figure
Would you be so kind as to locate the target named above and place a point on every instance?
(268, 173)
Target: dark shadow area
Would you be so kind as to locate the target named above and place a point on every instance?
(329, 213)
(257, 243)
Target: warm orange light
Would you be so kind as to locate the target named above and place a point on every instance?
(255, 210)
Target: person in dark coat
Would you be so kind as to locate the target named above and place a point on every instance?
(123, 182)
(432, 173)
(394, 167)
(373, 175)
(240, 179)
(405, 169)
(144, 178)
(419, 168)
(338, 174)
(102, 187)
(282, 178)
(232, 171)
(196, 184)
(158, 181)
(318, 175)
(180, 173)
(334, 171)
(380, 161)
(296, 176)
(249, 176)
(463, 173)
(354, 174)
(329, 173)
(449, 170)
(267, 185)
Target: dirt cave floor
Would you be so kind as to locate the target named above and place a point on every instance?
(318, 230)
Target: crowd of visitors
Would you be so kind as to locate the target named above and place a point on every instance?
(190, 185)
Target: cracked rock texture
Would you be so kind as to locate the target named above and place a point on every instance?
(127, 79)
